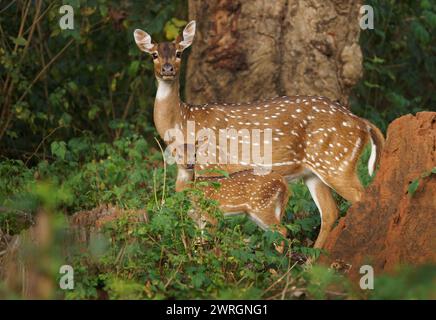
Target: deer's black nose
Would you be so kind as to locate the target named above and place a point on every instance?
(167, 69)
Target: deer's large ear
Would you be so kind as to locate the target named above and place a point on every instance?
(188, 35)
(143, 41)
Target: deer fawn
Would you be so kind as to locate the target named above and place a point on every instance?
(313, 139)
(262, 197)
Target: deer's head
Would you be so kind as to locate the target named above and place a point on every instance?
(166, 55)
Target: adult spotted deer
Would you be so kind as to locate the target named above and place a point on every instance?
(313, 138)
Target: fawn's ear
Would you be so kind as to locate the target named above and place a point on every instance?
(188, 35)
(143, 41)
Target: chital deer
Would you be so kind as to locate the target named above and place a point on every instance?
(262, 197)
(313, 138)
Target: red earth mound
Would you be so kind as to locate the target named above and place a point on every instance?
(395, 223)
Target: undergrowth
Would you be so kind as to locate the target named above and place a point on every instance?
(167, 257)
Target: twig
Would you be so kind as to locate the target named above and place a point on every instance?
(279, 294)
(40, 144)
(279, 279)
(155, 188)
(165, 171)
(7, 6)
(41, 16)
(9, 84)
(8, 119)
(32, 30)
(125, 113)
(173, 276)
(44, 69)
(285, 289)
(120, 255)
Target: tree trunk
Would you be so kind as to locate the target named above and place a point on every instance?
(248, 50)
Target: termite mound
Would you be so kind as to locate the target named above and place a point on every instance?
(394, 224)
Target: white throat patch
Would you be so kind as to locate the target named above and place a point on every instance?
(163, 90)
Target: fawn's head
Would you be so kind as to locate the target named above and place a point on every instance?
(166, 55)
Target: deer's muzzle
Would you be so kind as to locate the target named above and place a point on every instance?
(168, 70)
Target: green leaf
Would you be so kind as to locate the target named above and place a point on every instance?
(433, 170)
(372, 85)
(55, 32)
(413, 187)
(420, 32)
(92, 113)
(425, 4)
(113, 86)
(430, 18)
(215, 171)
(74, 3)
(20, 41)
(179, 23)
(133, 68)
(216, 184)
(294, 228)
(65, 119)
(171, 31)
(173, 28)
(397, 100)
(87, 11)
(73, 86)
(59, 149)
(103, 10)
(377, 60)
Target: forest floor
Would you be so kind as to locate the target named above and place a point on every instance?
(130, 236)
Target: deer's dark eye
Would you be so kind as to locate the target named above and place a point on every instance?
(154, 55)
(178, 54)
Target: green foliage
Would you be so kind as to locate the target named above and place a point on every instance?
(399, 61)
(58, 149)
(167, 257)
(413, 186)
(159, 259)
(323, 282)
(77, 112)
(362, 167)
(173, 28)
(406, 283)
(303, 217)
(163, 258)
(58, 84)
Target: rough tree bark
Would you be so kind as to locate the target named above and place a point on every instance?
(247, 50)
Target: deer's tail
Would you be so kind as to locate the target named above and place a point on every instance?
(377, 143)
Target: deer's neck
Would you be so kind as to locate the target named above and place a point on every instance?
(167, 106)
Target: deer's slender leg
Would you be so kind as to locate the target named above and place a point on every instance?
(323, 198)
